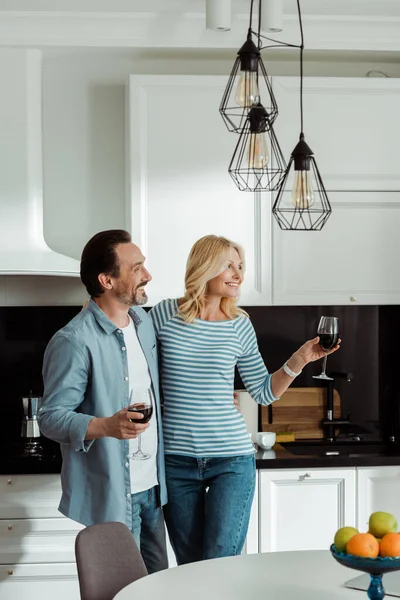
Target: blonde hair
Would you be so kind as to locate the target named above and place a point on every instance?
(207, 259)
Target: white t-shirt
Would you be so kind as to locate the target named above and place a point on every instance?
(143, 472)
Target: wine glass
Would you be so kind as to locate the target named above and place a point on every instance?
(140, 401)
(328, 331)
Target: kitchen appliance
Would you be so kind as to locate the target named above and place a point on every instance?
(21, 185)
(30, 431)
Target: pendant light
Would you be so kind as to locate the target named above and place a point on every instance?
(302, 203)
(248, 84)
(258, 162)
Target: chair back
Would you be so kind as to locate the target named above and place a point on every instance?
(107, 559)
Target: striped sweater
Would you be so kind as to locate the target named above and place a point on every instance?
(198, 366)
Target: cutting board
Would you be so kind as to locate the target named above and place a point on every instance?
(300, 410)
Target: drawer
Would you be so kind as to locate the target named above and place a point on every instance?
(38, 540)
(29, 496)
(39, 582)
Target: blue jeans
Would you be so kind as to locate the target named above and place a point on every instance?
(209, 503)
(149, 529)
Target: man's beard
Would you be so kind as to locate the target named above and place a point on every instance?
(136, 298)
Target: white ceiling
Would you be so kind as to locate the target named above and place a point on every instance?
(365, 8)
(329, 25)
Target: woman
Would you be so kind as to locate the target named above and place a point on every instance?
(210, 464)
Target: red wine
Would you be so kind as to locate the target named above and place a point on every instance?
(143, 409)
(327, 341)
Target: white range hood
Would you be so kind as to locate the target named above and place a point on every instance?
(23, 250)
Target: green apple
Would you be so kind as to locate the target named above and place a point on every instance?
(381, 523)
(342, 536)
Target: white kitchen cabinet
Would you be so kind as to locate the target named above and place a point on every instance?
(378, 490)
(252, 542)
(349, 125)
(180, 189)
(39, 582)
(301, 509)
(37, 555)
(171, 555)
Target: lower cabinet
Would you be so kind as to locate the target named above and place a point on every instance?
(45, 581)
(252, 543)
(378, 489)
(171, 555)
(293, 509)
(301, 509)
(37, 544)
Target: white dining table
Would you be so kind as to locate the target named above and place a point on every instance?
(308, 575)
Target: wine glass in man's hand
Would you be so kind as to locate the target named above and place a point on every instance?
(140, 402)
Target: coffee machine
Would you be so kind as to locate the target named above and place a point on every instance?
(30, 432)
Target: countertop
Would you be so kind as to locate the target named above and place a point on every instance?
(12, 460)
(378, 455)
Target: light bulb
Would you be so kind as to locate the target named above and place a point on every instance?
(302, 193)
(257, 153)
(247, 92)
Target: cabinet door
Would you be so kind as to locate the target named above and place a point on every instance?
(252, 540)
(29, 496)
(302, 509)
(38, 540)
(39, 582)
(171, 554)
(180, 189)
(378, 490)
(349, 125)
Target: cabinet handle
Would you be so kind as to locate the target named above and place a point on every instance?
(353, 299)
(303, 477)
(9, 527)
(10, 572)
(9, 481)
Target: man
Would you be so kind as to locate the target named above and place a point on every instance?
(90, 368)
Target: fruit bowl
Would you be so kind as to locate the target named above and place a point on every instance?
(376, 567)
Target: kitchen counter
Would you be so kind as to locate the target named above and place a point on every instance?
(13, 462)
(378, 455)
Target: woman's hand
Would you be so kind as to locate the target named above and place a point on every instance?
(309, 352)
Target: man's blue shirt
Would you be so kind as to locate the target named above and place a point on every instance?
(85, 373)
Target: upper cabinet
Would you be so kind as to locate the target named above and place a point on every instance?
(180, 189)
(350, 125)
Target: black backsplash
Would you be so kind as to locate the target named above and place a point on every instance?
(368, 351)
(24, 334)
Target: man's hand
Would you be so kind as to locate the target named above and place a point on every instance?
(118, 426)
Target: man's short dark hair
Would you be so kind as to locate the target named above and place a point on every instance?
(99, 256)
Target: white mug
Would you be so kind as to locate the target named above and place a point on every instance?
(265, 439)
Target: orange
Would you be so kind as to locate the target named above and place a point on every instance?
(363, 544)
(390, 545)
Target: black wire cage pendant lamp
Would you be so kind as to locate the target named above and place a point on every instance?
(248, 83)
(302, 203)
(258, 162)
